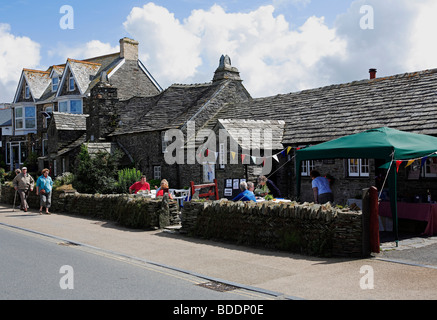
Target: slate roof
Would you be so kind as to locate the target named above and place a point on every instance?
(37, 81)
(405, 102)
(249, 134)
(172, 108)
(5, 117)
(83, 72)
(68, 121)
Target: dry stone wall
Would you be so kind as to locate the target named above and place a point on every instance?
(318, 230)
(127, 210)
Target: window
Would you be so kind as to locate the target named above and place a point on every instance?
(307, 166)
(157, 172)
(55, 83)
(164, 142)
(45, 141)
(76, 106)
(71, 85)
(25, 117)
(71, 106)
(430, 168)
(26, 91)
(358, 167)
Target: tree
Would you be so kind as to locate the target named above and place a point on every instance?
(97, 174)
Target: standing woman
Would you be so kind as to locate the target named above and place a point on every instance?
(44, 186)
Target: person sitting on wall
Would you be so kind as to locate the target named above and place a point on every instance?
(265, 187)
(164, 189)
(322, 190)
(245, 195)
(141, 185)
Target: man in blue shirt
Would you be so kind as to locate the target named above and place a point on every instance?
(246, 194)
(322, 190)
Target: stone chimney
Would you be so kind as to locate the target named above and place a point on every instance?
(226, 71)
(372, 73)
(129, 49)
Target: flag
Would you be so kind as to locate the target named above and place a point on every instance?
(409, 163)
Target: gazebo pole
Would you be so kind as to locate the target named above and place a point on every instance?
(297, 163)
(393, 200)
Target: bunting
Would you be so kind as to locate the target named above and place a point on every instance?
(255, 159)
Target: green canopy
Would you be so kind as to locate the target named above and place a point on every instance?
(381, 143)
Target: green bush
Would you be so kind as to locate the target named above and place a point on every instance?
(97, 174)
(126, 178)
(64, 179)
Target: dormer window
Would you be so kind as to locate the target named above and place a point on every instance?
(71, 85)
(55, 83)
(26, 91)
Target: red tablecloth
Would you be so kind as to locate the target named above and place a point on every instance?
(414, 211)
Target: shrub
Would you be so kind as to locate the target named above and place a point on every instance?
(97, 174)
(126, 178)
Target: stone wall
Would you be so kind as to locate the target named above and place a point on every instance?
(299, 228)
(127, 210)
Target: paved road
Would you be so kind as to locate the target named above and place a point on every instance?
(280, 274)
(36, 267)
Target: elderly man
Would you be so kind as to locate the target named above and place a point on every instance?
(245, 195)
(23, 183)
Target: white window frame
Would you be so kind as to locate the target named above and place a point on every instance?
(68, 103)
(358, 167)
(71, 81)
(426, 170)
(55, 86)
(157, 172)
(164, 142)
(23, 118)
(26, 91)
(307, 167)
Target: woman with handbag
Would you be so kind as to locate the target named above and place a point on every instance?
(44, 186)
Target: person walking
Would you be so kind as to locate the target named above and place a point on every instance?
(23, 183)
(44, 186)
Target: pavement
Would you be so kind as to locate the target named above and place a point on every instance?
(393, 274)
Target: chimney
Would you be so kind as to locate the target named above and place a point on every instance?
(129, 49)
(225, 70)
(372, 73)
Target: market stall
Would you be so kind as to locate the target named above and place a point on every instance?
(392, 146)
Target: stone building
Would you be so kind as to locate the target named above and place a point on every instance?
(63, 91)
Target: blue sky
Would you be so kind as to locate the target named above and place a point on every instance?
(279, 46)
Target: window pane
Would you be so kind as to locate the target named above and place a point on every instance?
(71, 83)
(19, 124)
(55, 82)
(76, 106)
(30, 124)
(30, 112)
(18, 112)
(63, 106)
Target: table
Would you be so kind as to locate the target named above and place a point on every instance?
(414, 211)
(276, 200)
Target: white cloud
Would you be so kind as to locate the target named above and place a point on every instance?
(93, 48)
(16, 53)
(166, 46)
(270, 56)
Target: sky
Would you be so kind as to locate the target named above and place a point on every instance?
(278, 46)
